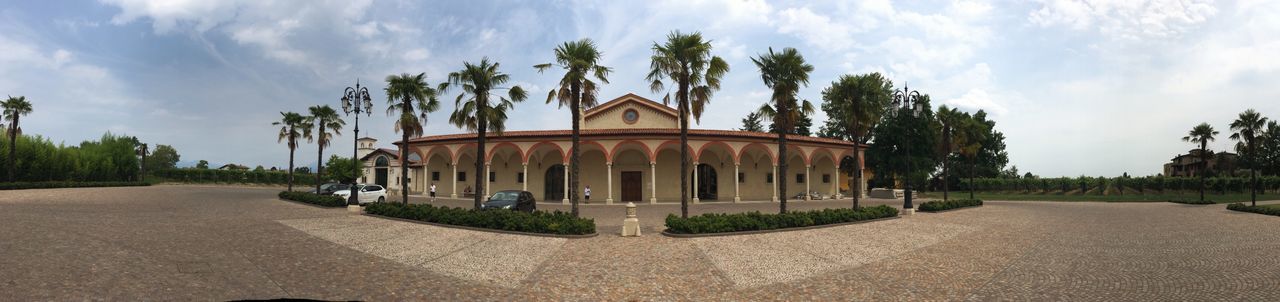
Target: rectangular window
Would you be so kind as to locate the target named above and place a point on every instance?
(520, 177)
(800, 178)
(462, 176)
(435, 175)
(768, 178)
(826, 178)
(492, 176)
(742, 177)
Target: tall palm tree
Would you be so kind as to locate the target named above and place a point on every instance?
(1201, 134)
(784, 72)
(861, 100)
(949, 119)
(476, 110)
(686, 60)
(328, 124)
(293, 127)
(973, 133)
(1246, 127)
(580, 60)
(412, 98)
(14, 109)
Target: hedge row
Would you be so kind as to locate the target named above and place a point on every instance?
(69, 184)
(557, 222)
(313, 198)
(1191, 201)
(938, 205)
(1252, 209)
(232, 176)
(1118, 185)
(755, 221)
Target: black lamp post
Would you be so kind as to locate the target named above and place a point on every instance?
(356, 100)
(910, 101)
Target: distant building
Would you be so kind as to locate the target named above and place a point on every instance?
(382, 165)
(1188, 165)
(233, 167)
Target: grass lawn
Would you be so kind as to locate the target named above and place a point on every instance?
(1273, 206)
(1227, 198)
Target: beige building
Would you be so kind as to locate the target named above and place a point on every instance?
(382, 166)
(630, 153)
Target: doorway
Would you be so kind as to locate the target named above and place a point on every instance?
(632, 183)
(553, 188)
(708, 188)
(380, 171)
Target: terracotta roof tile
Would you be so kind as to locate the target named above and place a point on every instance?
(629, 132)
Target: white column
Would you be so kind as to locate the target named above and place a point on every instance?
(524, 169)
(695, 182)
(776, 179)
(486, 180)
(807, 180)
(609, 170)
(653, 182)
(566, 185)
(453, 185)
(736, 196)
(835, 181)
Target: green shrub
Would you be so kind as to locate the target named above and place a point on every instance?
(557, 222)
(938, 205)
(1191, 201)
(313, 198)
(755, 221)
(1254, 209)
(69, 184)
(190, 175)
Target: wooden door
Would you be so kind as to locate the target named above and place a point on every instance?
(632, 186)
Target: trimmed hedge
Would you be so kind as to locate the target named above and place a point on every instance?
(1259, 209)
(557, 222)
(313, 198)
(1192, 201)
(69, 184)
(756, 221)
(189, 175)
(938, 205)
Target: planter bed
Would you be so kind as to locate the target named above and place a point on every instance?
(555, 224)
(940, 206)
(1192, 202)
(812, 227)
(949, 210)
(482, 229)
(328, 201)
(1264, 210)
(69, 184)
(739, 223)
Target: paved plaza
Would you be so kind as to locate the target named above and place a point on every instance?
(221, 243)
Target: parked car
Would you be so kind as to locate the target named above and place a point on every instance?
(511, 199)
(812, 196)
(329, 188)
(368, 193)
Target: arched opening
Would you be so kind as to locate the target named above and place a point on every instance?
(380, 166)
(553, 188)
(708, 188)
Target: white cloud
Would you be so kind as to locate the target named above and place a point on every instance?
(815, 29)
(978, 99)
(417, 54)
(1125, 19)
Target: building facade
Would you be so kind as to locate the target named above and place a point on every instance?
(630, 153)
(1188, 165)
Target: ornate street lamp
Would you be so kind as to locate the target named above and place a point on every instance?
(356, 100)
(911, 103)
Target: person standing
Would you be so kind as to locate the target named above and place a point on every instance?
(433, 192)
(587, 193)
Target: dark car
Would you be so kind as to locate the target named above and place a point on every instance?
(511, 199)
(329, 188)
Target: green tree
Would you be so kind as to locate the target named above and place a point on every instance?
(974, 132)
(785, 72)
(1247, 126)
(753, 122)
(801, 127)
(327, 124)
(343, 169)
(202, 164)
(1202, 134)
(686, 60)
(990, 157)
(581, 61)
(949, 119)
(1269, 150)
(14, 109)
(163, 158)
(888, 154)
(410, 97)
(293, 127)
(853, 105)
(475, 109)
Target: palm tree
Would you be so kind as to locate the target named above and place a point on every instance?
(581, 60)
(973, 133)
(1246, 126)
(14, 109)
(293, 127)
(784, 72)
(1201, 134)
(948, 119)
(409, 94)
(475, 112)
(861, 99)
(328, 124)
(686, 60)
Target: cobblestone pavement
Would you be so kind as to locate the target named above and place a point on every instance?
(219, 243)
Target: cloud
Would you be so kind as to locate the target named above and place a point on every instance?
(1125, 19)
(815, 29)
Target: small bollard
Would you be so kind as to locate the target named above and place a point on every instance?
(631, 225)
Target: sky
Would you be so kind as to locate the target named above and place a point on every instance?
(1094, 87)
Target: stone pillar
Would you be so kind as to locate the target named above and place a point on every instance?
(487, 183)
(609, 180)
(566, 185)
(695, 182)
(835, 181)
(775, 182)
(524, 169)
(737, 197)
(453, 185)
(653, 182)
(807, 181)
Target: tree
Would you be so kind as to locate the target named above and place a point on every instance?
(164, 157)
(990, 157)
(202, 164)
(1269, 150)
(686, 60)
(410, 97)
(1202, 134)
(801, 127)
(888, 154)
(975, 133)
(854, 105)
(14, 109)
(580, 60)
(293, 127)
(784, 72)
(948, 120)
(1247, 126)
(474, 111)
(753, 122)
(141, 149)
(328, 124)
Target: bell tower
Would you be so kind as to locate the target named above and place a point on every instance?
(365, 145)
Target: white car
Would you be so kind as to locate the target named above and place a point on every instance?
(368, 193)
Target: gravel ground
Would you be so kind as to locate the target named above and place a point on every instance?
(220, 243)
